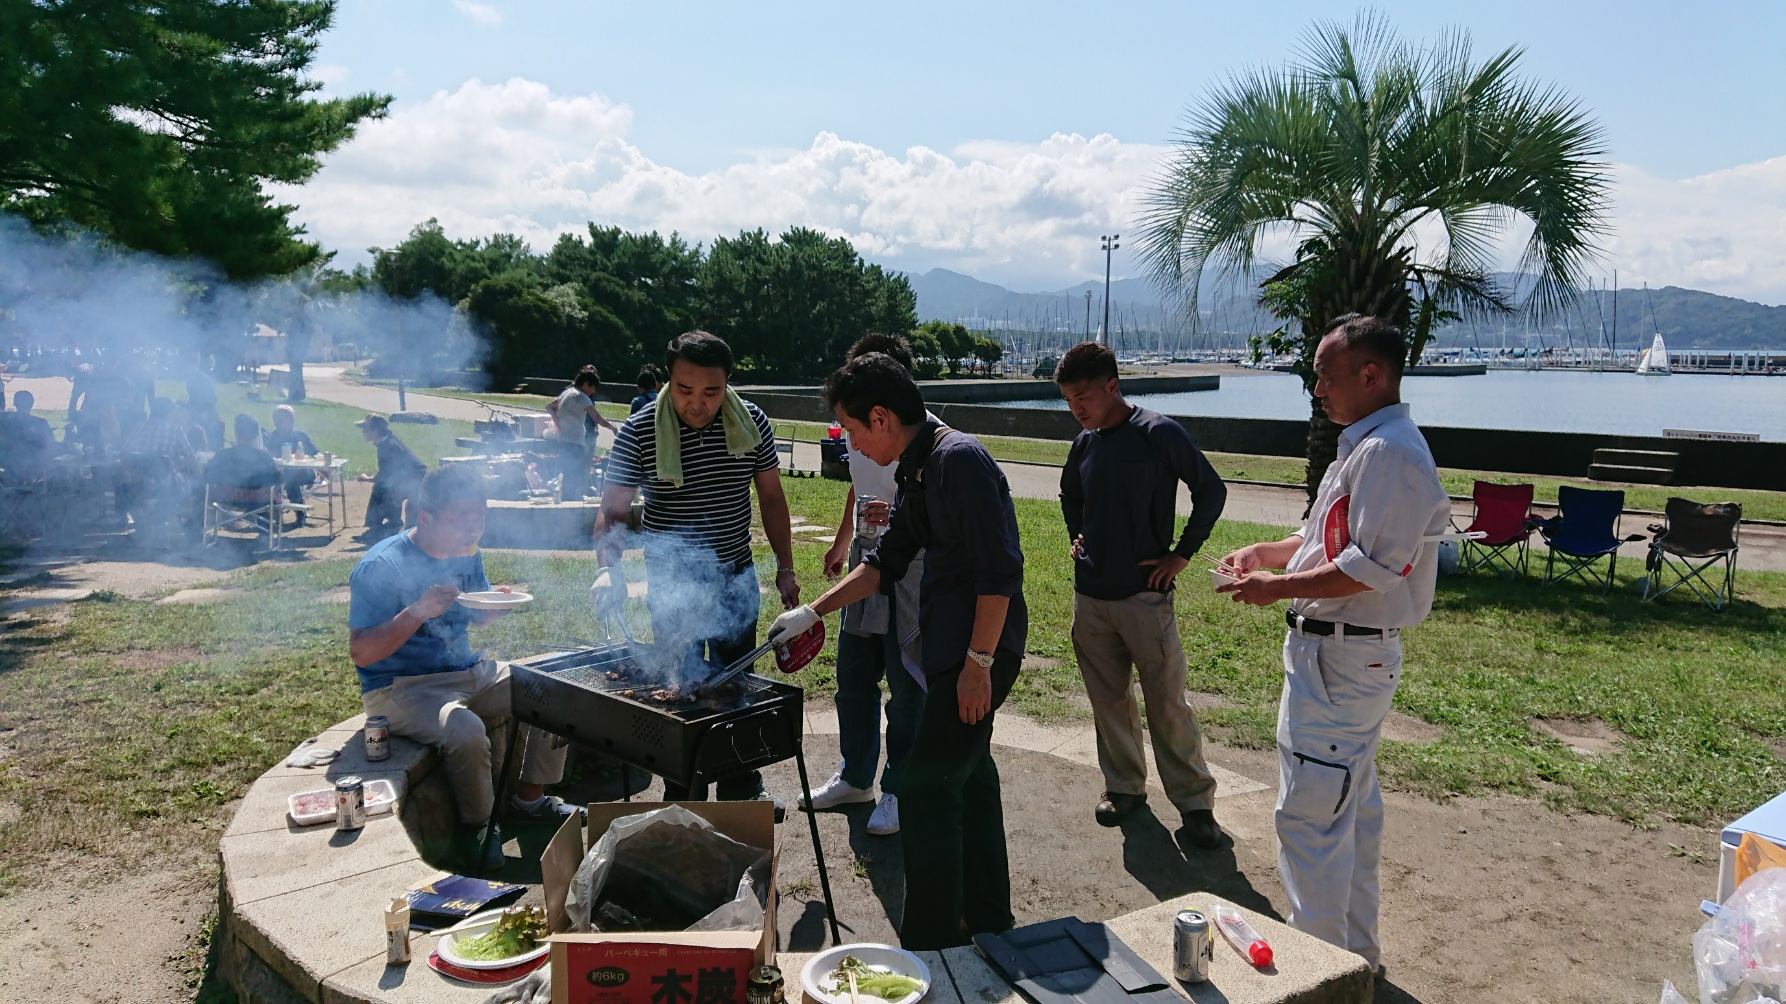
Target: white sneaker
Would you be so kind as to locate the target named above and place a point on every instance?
(836, 792)
(884, 821)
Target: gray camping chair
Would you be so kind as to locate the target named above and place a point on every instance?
(1689, 547)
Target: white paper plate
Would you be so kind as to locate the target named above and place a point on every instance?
(494, 600)
(1218, 577)
(816, 977)
(484, 921)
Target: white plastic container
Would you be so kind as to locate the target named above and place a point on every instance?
(310, 808)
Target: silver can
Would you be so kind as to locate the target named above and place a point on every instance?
(350, 804)
(378, 737)
(865, 529)
(1192, 949)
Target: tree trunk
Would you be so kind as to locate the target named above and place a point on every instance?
(297, 346)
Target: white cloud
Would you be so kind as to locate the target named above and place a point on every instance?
(1724, 232)
(330, 74)
(516, 157)
(482, 13)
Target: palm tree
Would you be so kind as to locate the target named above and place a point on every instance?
(1394, 170)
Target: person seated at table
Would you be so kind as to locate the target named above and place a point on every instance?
(95, 432)
(196, 436)
(26, 443)
(285, 437)
(241, 474)
(396, 483)
(159, 465)
(409, 641)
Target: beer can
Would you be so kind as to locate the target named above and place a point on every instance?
(765, 986)
(378, 737)
(350, 804)
(1192, 949)
(865, 529)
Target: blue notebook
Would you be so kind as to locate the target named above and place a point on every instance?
(445, 902)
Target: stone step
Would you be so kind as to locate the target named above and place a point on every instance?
(1637, 458)
(1630, 475)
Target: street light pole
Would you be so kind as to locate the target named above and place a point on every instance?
(1110, 245)
(1088, 315)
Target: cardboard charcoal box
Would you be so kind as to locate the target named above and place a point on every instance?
(670, 967)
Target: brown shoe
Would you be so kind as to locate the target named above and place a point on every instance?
(1115, 805)
(1200, 830)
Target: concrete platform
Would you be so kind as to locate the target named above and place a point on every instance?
(1305, 970)
(302, 907)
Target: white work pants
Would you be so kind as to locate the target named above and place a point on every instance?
(1337, 691)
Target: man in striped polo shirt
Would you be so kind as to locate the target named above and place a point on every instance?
(697, 514)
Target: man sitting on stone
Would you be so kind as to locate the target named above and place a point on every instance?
(409, 640)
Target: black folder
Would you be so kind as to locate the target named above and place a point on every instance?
(1068, 961)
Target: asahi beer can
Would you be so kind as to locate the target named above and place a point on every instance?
(378, 737)
(350, 804)
(1192, 949)
(765, 986)
(864, 528)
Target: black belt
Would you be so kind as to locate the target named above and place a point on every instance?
(1309, 625)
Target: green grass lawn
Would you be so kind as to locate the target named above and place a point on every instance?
(127, 717)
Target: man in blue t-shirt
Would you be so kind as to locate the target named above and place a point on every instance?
(408, 638)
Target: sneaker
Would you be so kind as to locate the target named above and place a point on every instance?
(1115, 805)
(884, 821)
(1200, 829)
(836, 792)
(549, 809)
(472, 851)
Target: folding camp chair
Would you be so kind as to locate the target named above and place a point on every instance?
(1695, 539)
(1585, 529)
(259, 509)
(1503, 514)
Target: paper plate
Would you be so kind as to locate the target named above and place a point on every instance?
(1217, 577)
(485, 976)
(494, 600)
(483, 922)
(815, 979)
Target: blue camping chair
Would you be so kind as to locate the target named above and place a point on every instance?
(1585, 529)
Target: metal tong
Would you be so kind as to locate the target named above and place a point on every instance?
(745, 662)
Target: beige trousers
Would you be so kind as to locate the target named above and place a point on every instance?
(1115, 641)
(449, 711)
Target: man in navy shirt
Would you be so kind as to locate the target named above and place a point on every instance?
(1119, 493)
(954, 504)
(407, 635)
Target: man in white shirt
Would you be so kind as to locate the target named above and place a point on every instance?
(1359, 572)
(569, 411)
(879, 637)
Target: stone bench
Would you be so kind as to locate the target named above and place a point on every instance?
(303, 907)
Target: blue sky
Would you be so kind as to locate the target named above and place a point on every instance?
(706, 117)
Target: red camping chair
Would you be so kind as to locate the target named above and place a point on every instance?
(1502, 512)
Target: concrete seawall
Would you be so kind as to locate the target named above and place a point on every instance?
(1559, 454)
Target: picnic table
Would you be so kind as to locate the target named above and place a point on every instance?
(330, 485)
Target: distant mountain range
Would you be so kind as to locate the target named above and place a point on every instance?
(1686, 318)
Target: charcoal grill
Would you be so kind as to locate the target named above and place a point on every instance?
(749, 723)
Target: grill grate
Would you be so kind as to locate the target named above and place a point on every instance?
(589, 669)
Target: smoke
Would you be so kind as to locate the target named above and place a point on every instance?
(691, 600)
(73, 292)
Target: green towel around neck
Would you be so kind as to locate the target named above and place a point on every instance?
(742, 434)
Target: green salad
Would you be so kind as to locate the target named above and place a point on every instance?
(517, 932)
(872, 981)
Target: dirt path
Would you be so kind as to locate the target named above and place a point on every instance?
(134, 937)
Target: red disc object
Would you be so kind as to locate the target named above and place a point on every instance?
(792, 656)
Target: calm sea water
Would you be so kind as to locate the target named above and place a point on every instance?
(1560, 401)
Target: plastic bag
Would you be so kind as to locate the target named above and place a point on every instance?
(1741, 953)
(668, 869)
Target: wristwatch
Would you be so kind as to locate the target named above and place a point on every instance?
(981, 659)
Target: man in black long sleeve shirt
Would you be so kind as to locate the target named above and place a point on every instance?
(1118, 493)
(954, 503)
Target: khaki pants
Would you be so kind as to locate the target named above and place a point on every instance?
(449, 711)
(1116, 640)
